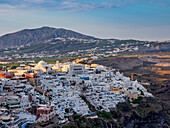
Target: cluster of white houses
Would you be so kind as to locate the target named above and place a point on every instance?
(42, 91)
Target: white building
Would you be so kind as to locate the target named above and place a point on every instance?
(24, 102)
(77, 69)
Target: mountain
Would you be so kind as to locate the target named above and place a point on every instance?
(39, 35)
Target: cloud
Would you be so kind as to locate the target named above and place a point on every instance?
(10, 10)
(29, 6)
(6, 9)
(35, 1)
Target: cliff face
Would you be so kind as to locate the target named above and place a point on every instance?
(149, 113)
(152, 120)
(159, 115)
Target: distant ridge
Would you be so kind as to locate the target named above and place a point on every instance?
(38, 35)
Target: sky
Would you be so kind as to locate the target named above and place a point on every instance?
(120, 19)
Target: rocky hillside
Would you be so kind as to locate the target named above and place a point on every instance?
(155, 47)
(147, 114)
(121, 63)
(39, 35)
(144, 69)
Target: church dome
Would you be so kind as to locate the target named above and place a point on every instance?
(42, 63)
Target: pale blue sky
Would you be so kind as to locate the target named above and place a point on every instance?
(121, 19)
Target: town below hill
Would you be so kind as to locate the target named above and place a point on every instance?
(60, 78)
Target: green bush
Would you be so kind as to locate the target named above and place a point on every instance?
(142, 93)
(105, 115)
(138, 100)
(76, 116)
